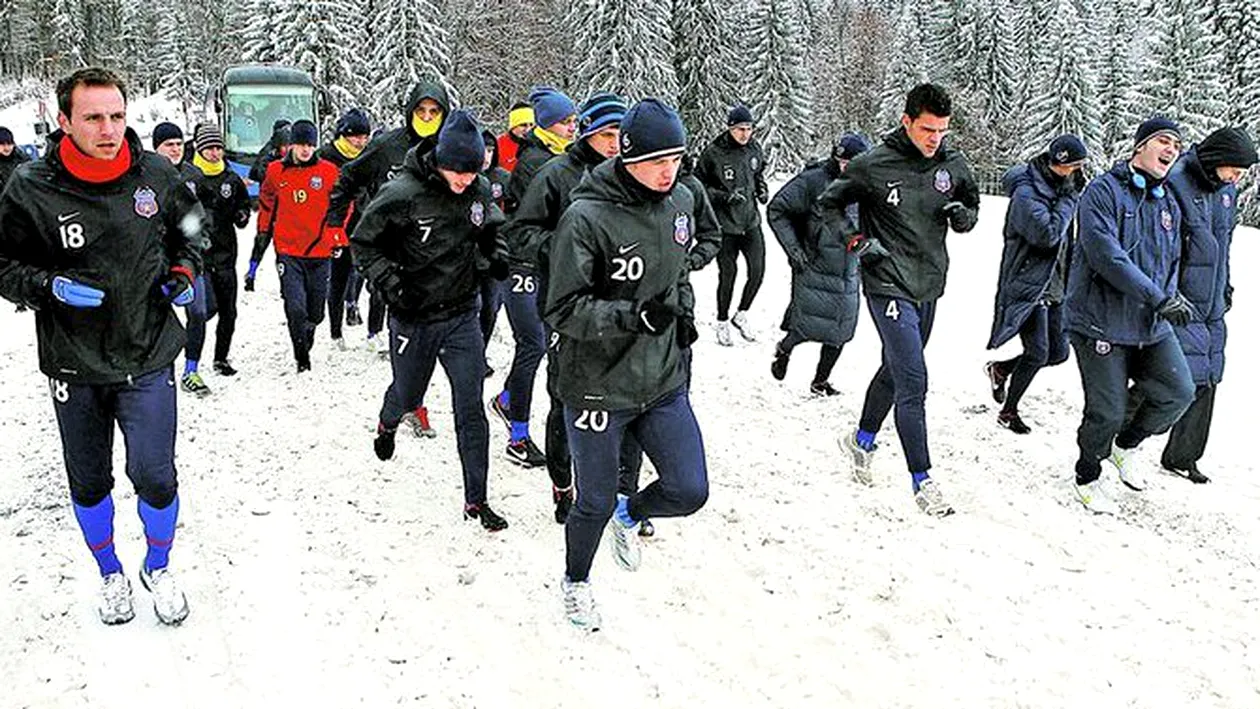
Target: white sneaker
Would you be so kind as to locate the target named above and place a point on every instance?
(625, 548)
(931, 501)
(740, 321)
(168, 601)
(1130, 474)
(378, 345)
(340, 343)
(114, 600)
(724, 333)
(1097, 498)
(579, 604)
(861, 459)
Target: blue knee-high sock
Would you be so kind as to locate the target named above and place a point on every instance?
(97, 523)
(159, 532)
(504, 399)
(916, 479)
(190, 366)
(520, 430)
(865, 439)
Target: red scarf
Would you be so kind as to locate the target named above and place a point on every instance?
(90, 169)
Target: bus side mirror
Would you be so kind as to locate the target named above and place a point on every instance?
(325, 102)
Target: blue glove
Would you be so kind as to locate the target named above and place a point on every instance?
(249, 276)
(76, 294)
(178, 288)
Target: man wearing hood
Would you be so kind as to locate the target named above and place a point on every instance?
(10, 156)
(824, 305)
(1204, 183)
(100, 238)
(419, 244)
(349, 138)
(274, 149)
(911, 190)
(1122, 304)
(1037, 237)
(619, 295)
(732, 168)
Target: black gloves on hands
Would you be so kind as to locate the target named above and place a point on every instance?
(736, 198)
(685, 331)
(655, 317)
(867, 249)
(1176, 310)
(947, 211)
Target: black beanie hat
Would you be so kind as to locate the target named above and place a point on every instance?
(6, 136)
(304, 132)
(739, 114)
(651, 130)
(1227, 147)
(1155, 126)
(353, 122)
(460, 147)
(1067, 149)
(165, 131)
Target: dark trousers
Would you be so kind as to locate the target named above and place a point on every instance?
(1188, 438)
(304, 289)
(354, 287)
(376, 312)
(456, 343)
(215, 297)
(902, 380)
(560, 460)
(1161, 379)
(669, 435)
(1045, 345)
(145, 412)
(340, 269)
(752, 244)
(490, 300)
(827, 358)
(521, 301)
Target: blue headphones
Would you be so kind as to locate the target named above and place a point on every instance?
(1138, 180)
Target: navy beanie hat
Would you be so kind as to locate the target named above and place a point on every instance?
(1225, 147)
(460, 147)
(1067, 149)
(304, 132)
(739, 114)
(550, 106)
(165, 131)
(849, 146)
(280, 123)
(601, 110)
(353, 122)
(651, 130)
(1154, 127)
(6, 136)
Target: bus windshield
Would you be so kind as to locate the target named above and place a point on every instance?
(253, 108)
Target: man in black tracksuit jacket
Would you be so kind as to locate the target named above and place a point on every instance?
(100, 238)
(10, 156)
(350, 136)
(619, 295)
(910, 190)
(733, 168)
(274, 149)
(418, 243)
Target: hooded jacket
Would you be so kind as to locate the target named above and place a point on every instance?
(122, 237)
(9, 164)
(725, 168)
(226, 202)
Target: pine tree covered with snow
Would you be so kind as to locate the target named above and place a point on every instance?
(410, 44)
(325, 38)
(703, 61)
(181, 54)
(1183, 68)
(67, 34)
(260, 27)
(905, 68)
(624, 46)
(781, 93)
(993, 70)
(1118, 95)
(1065, 99)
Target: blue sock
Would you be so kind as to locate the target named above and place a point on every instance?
(916, 479)
(97, 523)
(504, 399)
(622, 513)
(159, 532)
(190, 366)
(865, 440)
(520, 430)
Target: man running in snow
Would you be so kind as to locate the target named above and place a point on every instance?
(100, 238)
(910, 190)
(350, 136)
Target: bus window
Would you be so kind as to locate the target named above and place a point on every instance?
(253, 108)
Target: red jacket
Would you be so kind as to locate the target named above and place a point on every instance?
(291, 207)
(507, 151)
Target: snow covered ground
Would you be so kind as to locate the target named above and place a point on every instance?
(320, 577)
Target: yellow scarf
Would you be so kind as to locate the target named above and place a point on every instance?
(554, 143)
(209, 169)
(346, 148)
(424, 129)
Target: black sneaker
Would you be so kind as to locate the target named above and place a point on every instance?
(525, 454)
(353, 319)
(778, 368)
(646, 529)
(498, 409)
(1011, 420)
(303, 362)
(489, 371)
(1190, 473)
(823, 389)
(563, 500)
(489, 519)
(384, 443)
(997, 381)
(224, 368)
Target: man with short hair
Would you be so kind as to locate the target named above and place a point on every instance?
(10, 156)
(910, 190)
(1122, 303)
(732, 168)
(100, 239)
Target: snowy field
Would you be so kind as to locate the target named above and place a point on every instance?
(320, 577)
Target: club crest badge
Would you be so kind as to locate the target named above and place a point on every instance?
(1227, 201)
(1102, 348)
(496, 190)
(1165, 220)
(477, 213)
(146, 202)
(317, 182)
(682, 229)
(225, 189)
(942, 181)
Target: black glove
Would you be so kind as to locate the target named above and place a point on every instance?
(947, 211)
(390, 286)
(867, 249)
(1229, 297)
(498, 269)
(685, 331)
(655, 317)
(1176, 310)
(736, 198)
(763, 196)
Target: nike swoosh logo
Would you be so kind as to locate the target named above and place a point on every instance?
(67, 217)
(892, 184)
(627, 249)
